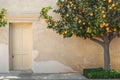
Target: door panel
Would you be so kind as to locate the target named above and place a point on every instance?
(21, 43)
(17, 62)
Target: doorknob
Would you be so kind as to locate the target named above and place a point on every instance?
(12, 56)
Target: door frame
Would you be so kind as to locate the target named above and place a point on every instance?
(10, 47)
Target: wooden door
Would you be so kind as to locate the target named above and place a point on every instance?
(21, 45)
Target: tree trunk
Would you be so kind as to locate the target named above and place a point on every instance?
(106, 54)
(105, 44)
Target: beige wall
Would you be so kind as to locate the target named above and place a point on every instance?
(74, 52)
(4, 56)
(51, 52)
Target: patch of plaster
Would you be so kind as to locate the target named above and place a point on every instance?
(4, 56)
(51, 67)
(48, 66)
(35, 55)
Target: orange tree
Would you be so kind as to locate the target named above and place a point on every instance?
(3, 20)
(98, 20)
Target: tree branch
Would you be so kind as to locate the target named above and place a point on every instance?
(115, 19)
(97, 41)
(113, 36)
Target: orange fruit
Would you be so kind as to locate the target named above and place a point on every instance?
(83, 23)
(104, 16)
(55, 24)
(106, 24)
(91, 14)
(89, 23)
(70, 2)
(109, 1)
(67, 15)
(101, 26)
(83, 10)
(74, 7)
(76, 18)
(61, 5)
(79, 21)
(115, 29)
(113, 5)
(103, 12)
(107, 29)
(80, 27)
(110, 8)
(115, 8)
(66, 32)
(46, 20)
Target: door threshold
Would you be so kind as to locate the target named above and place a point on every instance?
(20, 71)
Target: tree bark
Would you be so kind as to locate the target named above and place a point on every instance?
(106, 55)
(105, 44)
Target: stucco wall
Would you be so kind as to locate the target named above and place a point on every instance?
(51, 52)
(4, 56)
(74, 52)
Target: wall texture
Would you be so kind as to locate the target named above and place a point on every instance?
(51, 52)
(4, 56)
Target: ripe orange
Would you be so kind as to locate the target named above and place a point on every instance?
(103, 12)
(107, 29)
(104, 16)
(83, 10)
(83, 23)
(106, 24)
(115, 29)
(91, 14)
(66, 32)
(101, 26)
(67, 15)
(76, 18)
(113, 5)
(46, 20)
(79, 21)
(109, 1)
(55, 24)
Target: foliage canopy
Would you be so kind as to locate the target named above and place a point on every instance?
(98, 20)
(86, 18)
(3, 20)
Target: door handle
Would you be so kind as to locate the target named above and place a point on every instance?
(12, 56)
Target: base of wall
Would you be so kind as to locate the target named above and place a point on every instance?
(51, 67)
(19, 72)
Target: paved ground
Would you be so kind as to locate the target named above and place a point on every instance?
(39, 76)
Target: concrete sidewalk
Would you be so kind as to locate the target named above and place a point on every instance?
(40, 76)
